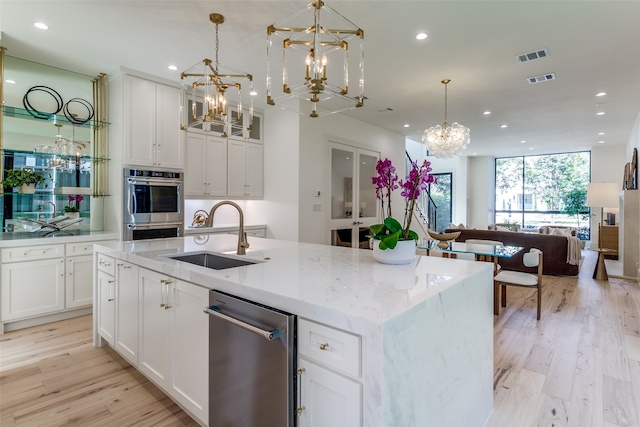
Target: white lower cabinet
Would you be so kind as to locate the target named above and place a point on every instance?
(174, 340)
(106, 304)
(32, 288)
(328, 399)
(78, 281)
(126, 311)
(330, 370)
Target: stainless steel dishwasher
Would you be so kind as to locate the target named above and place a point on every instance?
(252, 362)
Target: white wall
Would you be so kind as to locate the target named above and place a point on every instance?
(607, 165)
(482, 191)
(280, 207)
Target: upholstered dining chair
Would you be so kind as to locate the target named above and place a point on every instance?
(505, 278)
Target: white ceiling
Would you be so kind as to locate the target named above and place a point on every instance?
(594, 46)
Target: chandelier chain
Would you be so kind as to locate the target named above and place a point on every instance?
(217, 42)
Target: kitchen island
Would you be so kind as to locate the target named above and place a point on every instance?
(418, 348)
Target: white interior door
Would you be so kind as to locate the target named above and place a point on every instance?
(353, 205)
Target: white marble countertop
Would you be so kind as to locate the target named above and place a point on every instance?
(338, 286)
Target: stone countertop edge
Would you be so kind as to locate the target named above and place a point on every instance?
(89, 236)
(342, 287)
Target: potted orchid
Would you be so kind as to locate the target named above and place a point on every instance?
(73, 207)
(391, 232)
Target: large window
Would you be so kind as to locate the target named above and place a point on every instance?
(441, 195)
(538, 190)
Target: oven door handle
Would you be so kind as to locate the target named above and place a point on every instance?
(268, 335)
(149, 181)
(154, 226)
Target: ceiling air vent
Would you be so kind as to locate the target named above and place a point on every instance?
(532, 56)
(385, 110)
(541, 78)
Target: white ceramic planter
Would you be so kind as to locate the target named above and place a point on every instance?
(27, 189)
(72, 215)
(403, 253)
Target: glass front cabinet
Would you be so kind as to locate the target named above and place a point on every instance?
(53, 125)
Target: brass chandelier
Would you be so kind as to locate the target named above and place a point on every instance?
(447, 140)
(315, 61)
(211, 84)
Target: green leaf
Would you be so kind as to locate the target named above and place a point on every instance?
(413, 235)
(390, 241)
(393, 225)
(377, 229)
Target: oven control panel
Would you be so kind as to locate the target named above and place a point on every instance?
(153, 173)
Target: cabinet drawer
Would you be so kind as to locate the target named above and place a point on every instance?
(85, 248)
(106, 264)
(29, 253)
(333, 348)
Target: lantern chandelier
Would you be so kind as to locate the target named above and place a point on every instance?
(315, 61)
(205, 92)
(447, 140)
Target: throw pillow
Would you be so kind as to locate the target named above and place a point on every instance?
(560, 231)
(501, 228)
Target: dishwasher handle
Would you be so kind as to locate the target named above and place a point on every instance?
(268, 335)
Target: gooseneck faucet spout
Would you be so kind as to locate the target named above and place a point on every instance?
(242, 236)
(48, 203)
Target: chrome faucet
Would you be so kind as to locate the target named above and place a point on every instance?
(48, 203)
(242, 236)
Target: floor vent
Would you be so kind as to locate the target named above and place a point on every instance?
(541, 78)
(532, 56)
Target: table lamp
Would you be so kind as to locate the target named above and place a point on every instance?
(602, 195)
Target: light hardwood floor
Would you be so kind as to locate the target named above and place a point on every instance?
(578, 366)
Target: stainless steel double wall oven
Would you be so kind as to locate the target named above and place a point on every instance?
(153, 204)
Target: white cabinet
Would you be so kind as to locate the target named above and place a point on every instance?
(117, 306)
(206, 175)
(32, 288)
(126, 311)
(106, 286)
(78, 281)
(152, 124)
(329, 398)
(245, 169)
(174, 339)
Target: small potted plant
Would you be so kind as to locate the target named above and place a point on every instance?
(73, 207)
(24, 179)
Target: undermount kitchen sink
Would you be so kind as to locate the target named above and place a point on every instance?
(212, 260)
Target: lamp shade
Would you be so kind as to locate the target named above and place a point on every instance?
(602, 195)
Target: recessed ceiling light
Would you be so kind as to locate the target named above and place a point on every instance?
(503, 126)
(421, 36)
(172, 67)
(253, 93)
(473, 154)
(530, 148)
(406, 125)
(41, 25)
(523, 141)
(601, 133)
(600, 113)
(486, 113)
(601, 94)
(600, 142)
(10, 81)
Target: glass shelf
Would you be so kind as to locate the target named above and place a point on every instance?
(49, 194)
(21, 113)
(53, 157)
